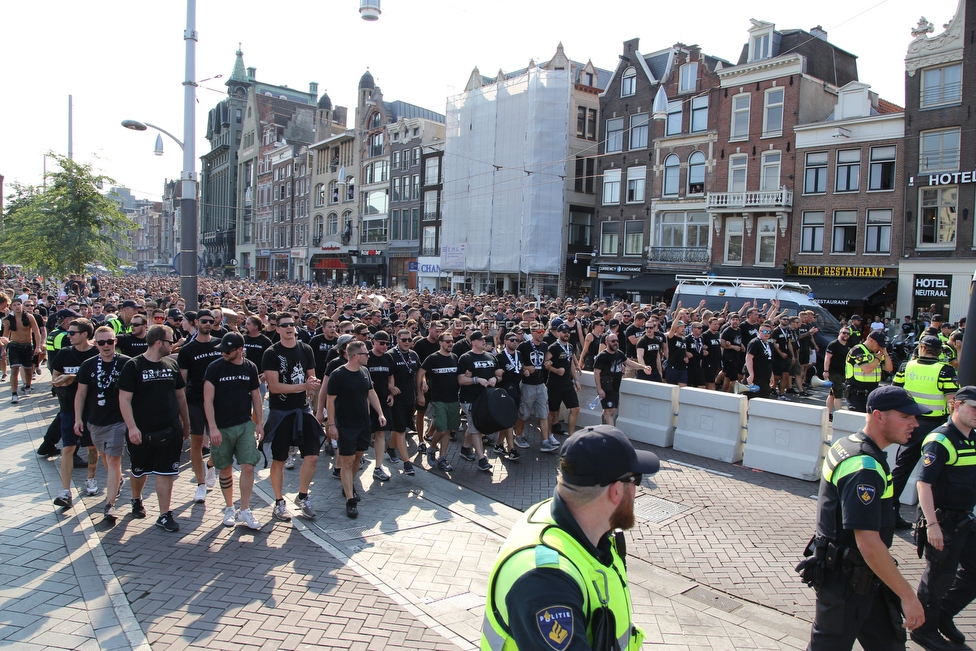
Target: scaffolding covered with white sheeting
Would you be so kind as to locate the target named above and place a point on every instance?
(505, 164)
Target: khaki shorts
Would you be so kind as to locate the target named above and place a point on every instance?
(236, 442)
(446, 416)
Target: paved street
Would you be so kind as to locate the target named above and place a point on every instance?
(710, 560)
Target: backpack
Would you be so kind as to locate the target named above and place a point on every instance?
(493, 410)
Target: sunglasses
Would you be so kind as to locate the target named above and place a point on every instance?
(72, 333)
(629, 479)
(159, 318)
(407, 341)
(380, 342)
(136, 324)
(205, 320)
(104, 342)
(286, 325)
(765, 332)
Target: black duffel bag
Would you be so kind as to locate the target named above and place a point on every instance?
(493, 411)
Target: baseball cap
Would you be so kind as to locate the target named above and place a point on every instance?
(600, 455)
(343, 340)
(938, 317)
(890, 397)
(126, 304)
(931, 342)
(555, 323)
(381, 335)
(67, 314)
(562, 327)
(174, 313)
(879, 337)
(856, 317)
(477, 335)
(230, 342)
(967, 395)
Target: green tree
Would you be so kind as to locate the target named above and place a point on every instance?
(60, 229)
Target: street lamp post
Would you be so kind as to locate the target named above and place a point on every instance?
(188, 177)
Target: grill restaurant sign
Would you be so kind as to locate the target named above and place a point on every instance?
(838, 272)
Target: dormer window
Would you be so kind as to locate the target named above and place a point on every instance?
(688, 78)
(763, 40)
(760, 47)
(628, 83)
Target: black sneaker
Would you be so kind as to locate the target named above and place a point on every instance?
(206, 451)
(355, 495)
(467, 453)
(558, 429)
(79, 462)
(138, 510)
(336, 472)
(48, 450)
(453, 436)
(432, 457)
(948, 628)
(422, 448)
(408, 468)
(167, 522)
(351, 509)
(500, 450)
(484, 465)
(514, 455)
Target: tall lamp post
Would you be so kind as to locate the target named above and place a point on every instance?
(188, 177)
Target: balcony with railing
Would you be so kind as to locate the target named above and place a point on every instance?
(754, 200)
(678, 254)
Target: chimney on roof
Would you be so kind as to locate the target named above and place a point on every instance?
(819, 32)
(251, 73)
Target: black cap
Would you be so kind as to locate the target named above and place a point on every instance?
(67, 314)
(879, 337)
(131, 304)
(890, 397)
(230, 342)
(477, 335)
(938, 317)
(931, 342)
(562, 327)
(347, 307)
(174, 313)
(967, 394)
(600, 455)
(381, 335)
(856, 317)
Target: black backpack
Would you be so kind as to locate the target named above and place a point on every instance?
(493, 410)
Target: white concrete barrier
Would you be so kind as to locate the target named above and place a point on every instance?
(648, 411)
(849, 422)
(788, 439)
(846, 423)
(711, 424)
(587, 416)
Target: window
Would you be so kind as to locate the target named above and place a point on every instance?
(815, 173)
(635, 184)
(432, 171)
(882, 172)
(683, 229)
(579, 229)
(319, 228)
(376, 202)
(812, 232)
(416, 156)
(350, 188)
(374, 231)
(591, 124)
(332, 225)
(610, 238)
(673, 125)
(939, 151)
(395, 224)
(415, 188)
(374, 121)
(376, 145)
(430, 241)
(611, 187)
(672, 175)
(414, 224)
(430, 205)
(773, 113)
(941, 86)
(770, 171)
(615, 135)
(628, 83)
(633, 237)
(585, 169)
(848, 170)
(696, 173)
(766, 242)
(733, 240)
(320, 194)
(688, 78)
(878, 237)
(845, 231)
(396, 189)
(638, 131)
(588, 77)
(699, 114)
(738, 166)
(937, 221)
(581, 121)
(396, 160)
(740, 117)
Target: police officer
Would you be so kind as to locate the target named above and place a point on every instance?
(854, 325)
(947, 495)
(849, 558)
(540, 592)
(932, 383)
(863, 370)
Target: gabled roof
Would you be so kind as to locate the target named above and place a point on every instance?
(885, 107)
(398, 109)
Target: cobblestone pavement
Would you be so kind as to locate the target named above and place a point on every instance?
(710, 561)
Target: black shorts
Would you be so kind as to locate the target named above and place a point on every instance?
(732, 367)
(781, 365)
(352, 440)
(20, 354)
(198, 419)
(282, 443)
(374, 418)
(611, 399)
(566, 395)
(654, 376)
(677, 376)
(160, 456)
(709, 373)
(401, 415)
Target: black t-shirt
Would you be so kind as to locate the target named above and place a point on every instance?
(320, 348)
(804, 341)
(762, 358)
(194, 358)
(651, 346)
(405, 366)
(380, 368)
(351, 391)
(734, 337)
(440, 372)
(611, 367)
(68, 361)
(291, 364)
(460, 347)
(781, 339)
(233, 384)
(102, 381)
(713, 344)
(748, 332)
(254, 348)
(153, 386)
(511, 368)
(334, 363)
(838, 357)
(628, 348)
(531, 354)
(560, 358)
(131, 345)
(676, 353)
(424, 348)
(480, 366)
(953, 487)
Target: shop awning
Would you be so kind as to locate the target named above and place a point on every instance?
(846, 289)
(646, 284)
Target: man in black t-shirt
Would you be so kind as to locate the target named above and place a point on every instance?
(437, 380)
(350, 396)
(380, 367)
(153, 405)
(712, 356)
(231, 394)
(608, 372)
(193, 359)
(562, 384)
(678, 355)
(535, 395)
(98, 397)
(425, 347)
(759, 362)
(322, 343)
(134, 342)
(835, 366)
(733, 352)
(406, 363)
(508, 360)
(289, 370)
(477, 370)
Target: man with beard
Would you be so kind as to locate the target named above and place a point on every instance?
(322, 343)
(608, 372)
(733, 352)
(477, 370)
(538, 593)
(563, 383)
(134, 343)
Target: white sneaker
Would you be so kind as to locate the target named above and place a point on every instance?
(91, 487)
(554, 441)
(201, 495)
(210, 476)
(229, 519)
(246, 517)
(522, 442)
(290, 463)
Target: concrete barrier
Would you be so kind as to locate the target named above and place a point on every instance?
(648, 411)
(711, 424)
(587, 416)
(788, 439)
(848, 422)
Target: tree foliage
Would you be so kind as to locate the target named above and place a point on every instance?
(60, 229)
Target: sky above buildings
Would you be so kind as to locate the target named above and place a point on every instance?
(121, 59)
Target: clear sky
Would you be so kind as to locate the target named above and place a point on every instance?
(125, 58)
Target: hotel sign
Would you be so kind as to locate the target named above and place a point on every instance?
(948, 178)
(838, 272)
